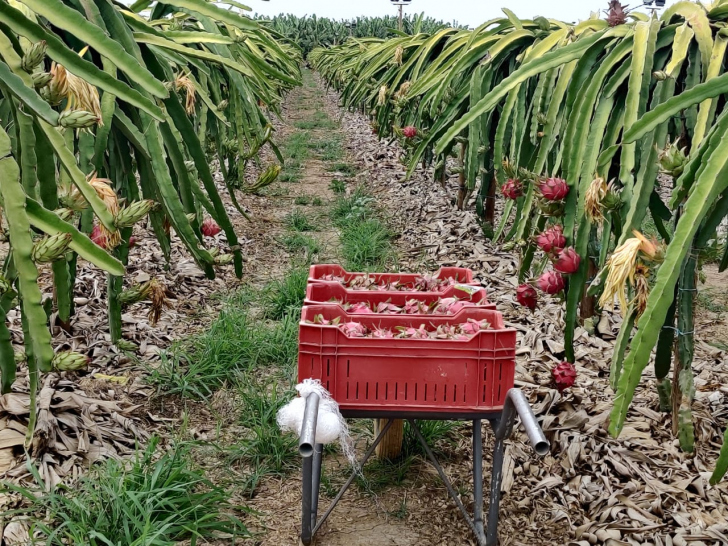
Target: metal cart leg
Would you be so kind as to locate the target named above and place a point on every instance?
(317, 455)
(307, 449)
(478, 477)
(515, 404)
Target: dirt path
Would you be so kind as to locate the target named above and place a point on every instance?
(639, 489)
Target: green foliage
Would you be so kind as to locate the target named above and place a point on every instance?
(298, 220)
(285, 296)
(161, 498)
(337, 186)
(263, 450)
(310, 32)
(236, 342)
(297, 242)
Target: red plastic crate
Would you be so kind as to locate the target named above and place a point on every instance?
(460, 274)
(418, 375)
(324, 293)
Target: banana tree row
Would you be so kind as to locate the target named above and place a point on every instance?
(310, 32)
(576, 124)
(109, 116)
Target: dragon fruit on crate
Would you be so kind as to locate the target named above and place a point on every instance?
(462, 331)
(444, 306)
(426, 283)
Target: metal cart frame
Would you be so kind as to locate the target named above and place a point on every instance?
(501, 421)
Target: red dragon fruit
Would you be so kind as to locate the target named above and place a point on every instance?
(564, 375)
(526, 295)
(554, 189)
(359, 308)
(551, 282)
(132, 242)
(416, 307)
(383, 333)
(551, 240)
(387, 307)
(354, 329)
(472, 327)
(409, 131)
(99, 237)
(210, 227)
(568, 261)
(512, 189)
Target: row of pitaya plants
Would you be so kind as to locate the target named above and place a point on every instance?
(111, 118)
(593, 131)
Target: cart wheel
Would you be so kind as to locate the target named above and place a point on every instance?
(311, 480)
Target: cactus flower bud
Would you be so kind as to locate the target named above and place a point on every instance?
(223, 105)
(551, 282)
(64, 214)
(135, 294)
(130, 215)
(49, 249)
(41, 79)
(125, 345)
(512, 189)
(553, 189)
(660, 75)
(223, 259)
(191, 217)
(69, 361)
(77, 119)
(20, 357)
(34, 56)
(210, 227)
(568, 261)
(4, 285)
(526, 296)
(564, 375)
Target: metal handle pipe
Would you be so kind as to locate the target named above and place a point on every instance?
(307, 439)
(516, 404)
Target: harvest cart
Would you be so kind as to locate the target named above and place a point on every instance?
(413, 379)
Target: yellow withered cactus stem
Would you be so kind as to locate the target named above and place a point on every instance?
(49, 249)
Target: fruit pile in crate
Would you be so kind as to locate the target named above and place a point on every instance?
(405, 342)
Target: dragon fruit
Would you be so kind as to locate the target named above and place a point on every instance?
(451, 306)
(99, 237)
(554, 189)
(409, 132)
(360, 308)
(512, 189)
(132, 242)
(551, 282)
(551, 240)
(387, 307)
(416, 307)
(383, 333)
(568, 261)
(354, 329)
(526, 295)
(564, 375)
(210, 227)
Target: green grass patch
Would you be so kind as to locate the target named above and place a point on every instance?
(320, 120)
(337, 186)
(236, 342)
(299, 242)
(356, 207)
(302, 200)
(366, 245)
(264, 450)
(285, 296)
(347, 169)
(317, 202)
(300, 221)
(161, 498)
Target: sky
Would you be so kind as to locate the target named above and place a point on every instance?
(467, 12)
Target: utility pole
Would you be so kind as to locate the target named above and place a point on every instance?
(401, 4)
